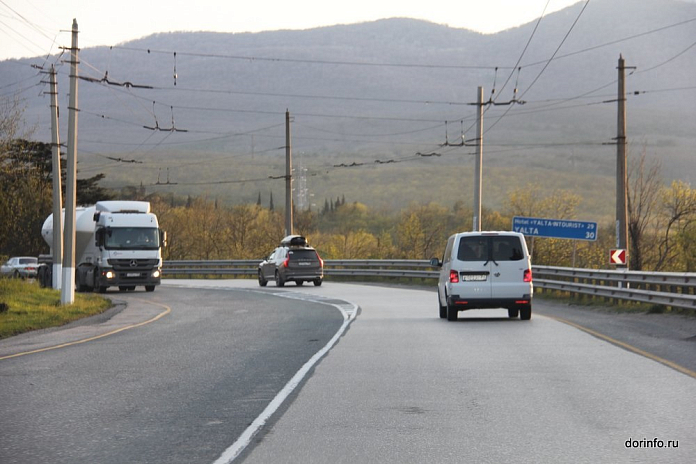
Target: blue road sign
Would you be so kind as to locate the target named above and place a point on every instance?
(555, 228)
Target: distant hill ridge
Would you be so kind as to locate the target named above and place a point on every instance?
(358, 94)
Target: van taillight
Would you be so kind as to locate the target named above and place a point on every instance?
(527, 275)
(454, 277)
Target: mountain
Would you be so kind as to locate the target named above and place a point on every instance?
(387, 90)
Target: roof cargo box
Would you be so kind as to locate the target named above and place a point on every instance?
(294, 240)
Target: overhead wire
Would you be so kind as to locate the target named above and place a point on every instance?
(669, 60)
(514, 69)
(548, 62)
(305, 61)
(614, 42)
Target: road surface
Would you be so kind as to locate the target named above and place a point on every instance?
(400, 385)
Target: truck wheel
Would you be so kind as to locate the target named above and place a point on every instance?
(79, 285)
(46, 276)
(149, 288)
(299, 282)
(280, 282)
(101, 289)
(526, 313)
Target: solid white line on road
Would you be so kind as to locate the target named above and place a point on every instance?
(231, 453)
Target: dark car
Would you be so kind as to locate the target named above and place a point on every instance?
(294, 260)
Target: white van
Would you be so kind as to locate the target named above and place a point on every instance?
(485, 270)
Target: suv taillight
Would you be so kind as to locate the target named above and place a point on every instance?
(454, 277)
(527, 275)
(321, 261)
(286, 262)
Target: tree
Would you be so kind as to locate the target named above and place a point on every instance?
(687, 242)
(410, 236)
(26, 194)
(644, 188)
(679, 216)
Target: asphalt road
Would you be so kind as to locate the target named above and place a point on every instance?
(401, 385)
(404, 386)
(177, 390)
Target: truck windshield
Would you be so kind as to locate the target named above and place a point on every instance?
(132, 238)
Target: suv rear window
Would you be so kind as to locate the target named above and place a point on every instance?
(486, 248)
(302, 254)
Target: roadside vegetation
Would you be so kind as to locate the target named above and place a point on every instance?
(662, 218)
(25, 306)
(662, 222)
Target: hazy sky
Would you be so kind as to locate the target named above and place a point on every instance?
(35, 27)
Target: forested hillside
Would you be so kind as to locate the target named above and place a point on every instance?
(381, 112)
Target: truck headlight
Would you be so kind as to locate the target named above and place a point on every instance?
(156, 274)
(109, 274)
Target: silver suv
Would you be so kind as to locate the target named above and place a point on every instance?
(485, 270)
(294, 260)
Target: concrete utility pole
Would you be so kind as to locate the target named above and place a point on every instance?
(621, 172)
(67, 294)
(479, 159)
(288, 177)
(57, 194)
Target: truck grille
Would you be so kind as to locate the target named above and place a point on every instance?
(133, 264)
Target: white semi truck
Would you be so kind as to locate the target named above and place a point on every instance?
(117, 244)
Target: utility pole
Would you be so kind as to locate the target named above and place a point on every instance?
(57, 194)
(479, 159)
(288, 176)
(621, 172)
(67, 294)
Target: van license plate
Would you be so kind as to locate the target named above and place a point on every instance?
(474, 277)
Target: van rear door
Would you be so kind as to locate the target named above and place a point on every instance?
(474, 268)
(508, 265)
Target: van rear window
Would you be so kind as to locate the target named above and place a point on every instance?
(490, 248)
(473, 249)
(507, 249)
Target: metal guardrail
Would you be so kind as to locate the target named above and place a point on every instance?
(661, 288)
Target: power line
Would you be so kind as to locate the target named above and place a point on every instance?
(614, 42)
(308, 96)
(545, 66)
(305, 61)
(251, 58)
(668, 60)
(524, 50)
(548, 62)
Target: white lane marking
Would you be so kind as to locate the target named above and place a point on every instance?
(231, 453)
